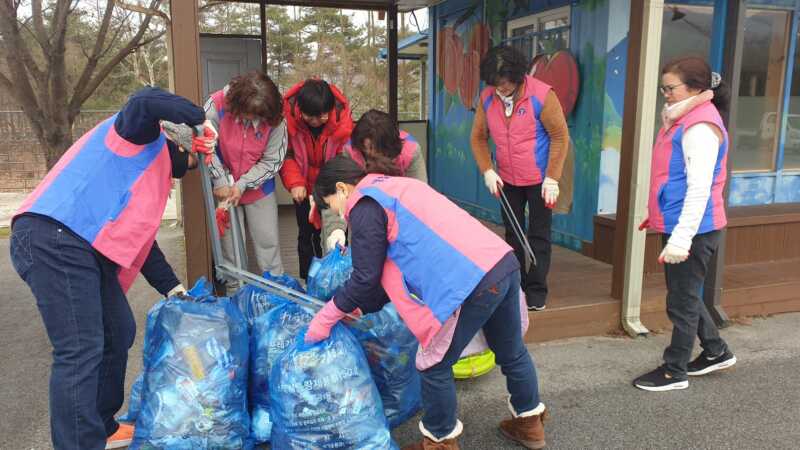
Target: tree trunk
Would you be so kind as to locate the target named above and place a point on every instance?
(55, 142)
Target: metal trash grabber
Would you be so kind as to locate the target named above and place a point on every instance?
(238, 270)
(515, 226)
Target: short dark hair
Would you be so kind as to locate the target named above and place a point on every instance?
(503, 62)
(315, 98)
(338, 169)
(255, 93)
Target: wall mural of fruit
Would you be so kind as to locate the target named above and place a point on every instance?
(559, 70)
(457, 66)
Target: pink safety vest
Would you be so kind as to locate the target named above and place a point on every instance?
(437, 252)
(240, 148)
(523, 145)
(668, 174)
(403, 160)
(110, 192)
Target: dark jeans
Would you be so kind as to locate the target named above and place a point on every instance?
(685, 306)
(540, 220)
(90, 326)
(496, 311)
(308, 238)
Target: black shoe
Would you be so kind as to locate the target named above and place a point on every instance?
(704, 364)
(659, 380)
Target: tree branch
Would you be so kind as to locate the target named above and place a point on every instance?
(38, 25)
(91, 63)
(83, 92)
(146, 11)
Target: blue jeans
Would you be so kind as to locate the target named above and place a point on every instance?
(496, 310)
(90, 326)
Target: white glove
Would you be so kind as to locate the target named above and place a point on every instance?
(311, 209)
(337, 237)
(550, 192)
(179, 289)
(673, 254)
(493, 182)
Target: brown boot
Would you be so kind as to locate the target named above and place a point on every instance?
(527, 431)
(449, 442)
(427, 444)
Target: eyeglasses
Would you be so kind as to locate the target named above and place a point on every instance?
(668, 89)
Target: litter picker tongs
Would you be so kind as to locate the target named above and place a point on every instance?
(515, 226)
(236, 270)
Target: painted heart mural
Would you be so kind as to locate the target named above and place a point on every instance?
(559, 70)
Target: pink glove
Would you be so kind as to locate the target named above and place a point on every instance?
(320, 327)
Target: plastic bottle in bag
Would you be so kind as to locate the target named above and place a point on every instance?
(391, 351)
(271, 335)
(201, 289)
(329, 273)
(323, 397)
(194, 394)
(253, 301)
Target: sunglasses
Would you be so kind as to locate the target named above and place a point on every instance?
(669, 89)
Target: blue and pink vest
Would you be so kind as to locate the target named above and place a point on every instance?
(522, 143)
(668, 174)
(437, 252)
(110, 192)
(403, 160)
(240, 148)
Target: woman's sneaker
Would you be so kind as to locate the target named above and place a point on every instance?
(705, 364)
(659, 380)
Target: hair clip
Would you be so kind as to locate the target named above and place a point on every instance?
(716, 79)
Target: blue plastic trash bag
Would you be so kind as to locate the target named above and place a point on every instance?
(328, 274)
(194, 394)
(253, 301)
(391, 351)
(271, 335)
(323, 397)
(201, 289)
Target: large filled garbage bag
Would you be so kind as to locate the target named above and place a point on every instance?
(391, 350)
(201, 289)
(194, 394)
(253, 301)
(329, 273)
(271, 335)
(322, 397)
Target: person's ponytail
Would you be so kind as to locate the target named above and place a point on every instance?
(722, 99)
(377, 163)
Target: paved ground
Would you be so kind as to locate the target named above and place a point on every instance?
(585, 383)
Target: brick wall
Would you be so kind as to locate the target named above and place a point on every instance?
(22, 163)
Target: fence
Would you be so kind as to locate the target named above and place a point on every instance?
(22, 163)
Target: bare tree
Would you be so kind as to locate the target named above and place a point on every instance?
(34, 48)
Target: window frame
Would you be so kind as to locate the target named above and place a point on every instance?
(535, 20)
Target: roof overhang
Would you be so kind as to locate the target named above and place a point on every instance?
(402, 5)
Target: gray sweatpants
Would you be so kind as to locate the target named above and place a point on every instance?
(261, 223)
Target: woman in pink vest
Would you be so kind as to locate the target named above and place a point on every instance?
(377, 142)
(79, 240)
(448, 276)
(523, 117)
(252, 145)
(686, 206)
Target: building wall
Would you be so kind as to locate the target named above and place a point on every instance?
(595, 124)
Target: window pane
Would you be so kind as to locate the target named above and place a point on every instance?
(791, 148)
(766, 35)
(525, 45)
(686, 31)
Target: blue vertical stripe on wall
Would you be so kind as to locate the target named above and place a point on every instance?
(718, 35)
